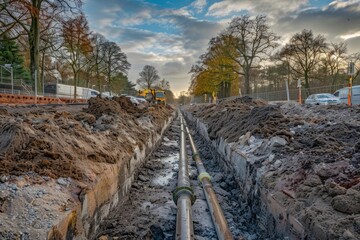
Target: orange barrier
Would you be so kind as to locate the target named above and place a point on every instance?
(26, 99)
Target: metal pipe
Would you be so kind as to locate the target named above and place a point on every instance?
(183, 194)
(221, 225)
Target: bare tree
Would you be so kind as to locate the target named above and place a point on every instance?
(23, 17)
(253, 42)
(96, 59)
(304, 52)
(148, 77)
(115, 61)
(164, 85)
(334, 62)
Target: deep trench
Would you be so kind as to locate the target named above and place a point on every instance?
(149, 212)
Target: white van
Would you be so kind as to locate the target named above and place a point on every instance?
(342, 94)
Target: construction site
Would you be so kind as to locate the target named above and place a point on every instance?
(185, 120)
(239, 169)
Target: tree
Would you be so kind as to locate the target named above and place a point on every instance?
(334, 62)
(96, 59)
(215, 68)
(10, 54)
(115, 61)
(304, 52)
(76, 36)
(163, 84)
(253, 42)
(122, 85)
(148, 77)
(19, 18)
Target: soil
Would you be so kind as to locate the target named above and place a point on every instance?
(52, 143)
(50, 154)
(316, 166)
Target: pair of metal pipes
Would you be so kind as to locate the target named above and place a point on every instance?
(184, 228)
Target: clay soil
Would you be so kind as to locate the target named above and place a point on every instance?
(316, 173)
(45, 148)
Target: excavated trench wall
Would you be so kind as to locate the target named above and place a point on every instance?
(270, 214)
(110, 190)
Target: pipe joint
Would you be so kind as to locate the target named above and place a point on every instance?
(204, 175)
(184, 190)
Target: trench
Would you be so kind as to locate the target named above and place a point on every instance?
(149, 211)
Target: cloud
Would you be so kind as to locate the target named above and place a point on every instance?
(199, 5)
(172, 39)
(269, 7)
(336, 21)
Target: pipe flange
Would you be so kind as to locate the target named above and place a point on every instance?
(184, 190)
(204, 175)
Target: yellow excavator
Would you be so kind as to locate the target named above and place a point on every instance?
(153, 95)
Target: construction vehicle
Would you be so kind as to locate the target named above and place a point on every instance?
(153, 95)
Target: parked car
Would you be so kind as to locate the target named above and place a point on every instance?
(322, 99)
(342, 94)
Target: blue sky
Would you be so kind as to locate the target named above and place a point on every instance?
(171, 34)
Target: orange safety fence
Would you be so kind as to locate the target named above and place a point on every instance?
(26, 99)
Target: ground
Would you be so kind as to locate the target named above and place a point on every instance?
(51, 155)
(312, 165)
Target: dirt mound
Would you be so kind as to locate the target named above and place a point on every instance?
(99, 106)
(242, 100)
(126, 104)
(60, 143)
(315, 173)
(233, 118)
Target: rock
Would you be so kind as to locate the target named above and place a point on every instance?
(278, 141)
(62, 181)
(349, 203)
(244, 138)
(143, 178)
(104, 237)
(335, 189)
(312, 181)
(166, 139)
(4, 178)
(277, 164)
(271, 158)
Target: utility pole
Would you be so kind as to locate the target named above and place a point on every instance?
(299, 94)
(351, 72)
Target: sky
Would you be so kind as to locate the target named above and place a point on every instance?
(171, 34)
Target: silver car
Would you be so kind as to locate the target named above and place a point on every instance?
(322, 99)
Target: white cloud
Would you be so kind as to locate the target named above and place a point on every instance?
(351, 35)
(269, 7)
(199, 5)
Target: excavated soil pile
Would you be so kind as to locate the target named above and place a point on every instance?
(313, 169)
(233, 118)
(59, 143)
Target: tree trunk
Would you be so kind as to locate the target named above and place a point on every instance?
(34, 39)
(307, 85)
(42, 71)
(247, 81)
